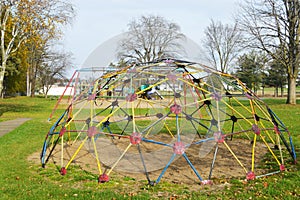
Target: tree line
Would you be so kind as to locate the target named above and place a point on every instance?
(261, 46)
(267, 33)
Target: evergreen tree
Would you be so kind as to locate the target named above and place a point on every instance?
(250, 69)
(276, 76)
(15, 77)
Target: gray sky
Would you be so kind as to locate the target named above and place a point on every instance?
(99, 20)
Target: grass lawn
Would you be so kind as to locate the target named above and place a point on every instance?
(24, 179)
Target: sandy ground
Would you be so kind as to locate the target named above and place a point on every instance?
(156, 158)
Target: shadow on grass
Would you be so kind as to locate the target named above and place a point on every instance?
(19, 107)
(277, 101)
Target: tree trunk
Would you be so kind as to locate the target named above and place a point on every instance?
(33, 79)
(276, 91)
(2, 73)
(291, 98)
(32, 91)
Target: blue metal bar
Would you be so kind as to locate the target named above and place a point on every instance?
(178, 128)
(205, 140)
(293, 148)
(143, 162)
(192, 166)
(50, 133)
(165, 169)
(155, 142)
(268, 174)
(213, 162)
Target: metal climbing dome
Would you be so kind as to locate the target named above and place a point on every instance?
(143, 117)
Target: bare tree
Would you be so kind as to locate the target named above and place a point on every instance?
(273, 26)
(53, 69)
(222, 44)
(22, 19)
(150, 38)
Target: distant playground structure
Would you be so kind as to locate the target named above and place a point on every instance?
(145, 117)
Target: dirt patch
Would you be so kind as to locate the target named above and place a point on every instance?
(226, 165)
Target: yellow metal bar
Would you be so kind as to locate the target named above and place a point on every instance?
(108, 75)
(76, 152)
(108, 116)
(191, 84)
(62, 151)
(255, 136)
(253, 153)
(168, 130)
(236, 112)
(280, 149)
(69, 135)
(242, 128)
(252, 109)
(151, 86)
(235, 156)
(75, 115)
(149, 131)
(270, 150)
(268, 134)
(83, 127)
(115, 164)
(96, 154)
(265, 114)
(241, 104)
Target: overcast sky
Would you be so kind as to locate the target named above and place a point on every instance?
(99, 20)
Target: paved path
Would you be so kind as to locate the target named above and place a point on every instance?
(8, 126)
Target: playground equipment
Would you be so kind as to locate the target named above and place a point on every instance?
(193, 108)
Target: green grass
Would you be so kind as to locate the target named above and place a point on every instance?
(21, 178)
